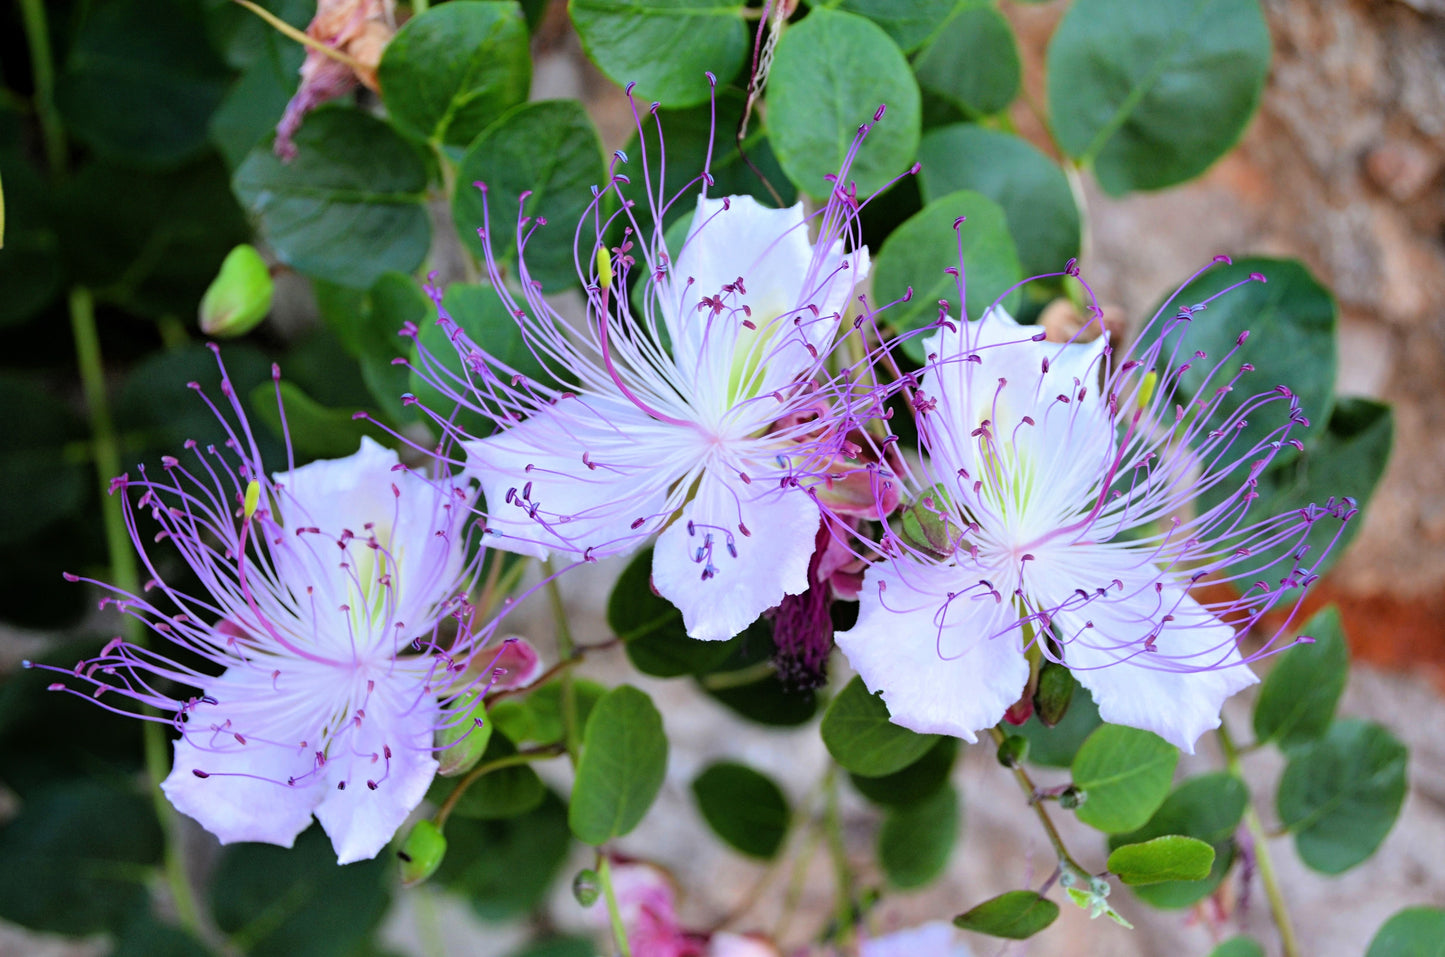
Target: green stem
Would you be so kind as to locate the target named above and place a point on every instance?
(565, 648)
(42, 67)
(1277, 907)
(845, 934)
(614, 913)
(125, 575)
(511, 760)
(1026, 784)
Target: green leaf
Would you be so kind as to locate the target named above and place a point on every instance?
(1347, 457)
(1056, 747)
(1290, 320)
(274, 901)
(765, 700)
(624, 759)
(78, 858)
(908, 22)
(448, 73)
(1238, 947)
(919, 251)
(664, 46)
(349, 207)
(316, 431)
(39, 483)
(1031, 189)
(1169, 858)
(1126, 774)
(1413, 932)
(559, 947)
(537, 718)
(242, 38)
(1341, 794)
(505, 868)
(860, 736)
(818, 97)
(651, 626)
(1016, 915)
(917, 782)
(972, 61)
(503, 793)
(147, 937)
(1208, 808)
(743, 807)
(140, 82)
(1151, 92)
(550, 150)
(256, 100)
(30, 260)
(916, 840)
(367, 325)
(1297, 702)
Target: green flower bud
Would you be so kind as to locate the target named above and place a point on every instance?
(1072, 796)
(586, 887)
(926, 524)
(1055, 691)
(422, 852)
(1013, 750)
(462, 735)
(240, 295)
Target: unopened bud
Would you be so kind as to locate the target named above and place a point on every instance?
(586, 887)
(1072, 797)
(925, 524)
(421, 853)
(1055, 691)
(462, 734)
(1013, 750)
(240, 295)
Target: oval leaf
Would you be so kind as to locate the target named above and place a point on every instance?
(1413, 932)
(1238, 947)
(450, 72)
(1208, 808)
(917, 782)
(917, 253)
(817, 99)
(1151, 92)
(624, 759)
(1297, 702)
(908, 22)
(915, 841)
(1016, 915)
(1033, 192)
(972, 61)
(743, 807)
(349, 207)
(651, 627)
(1340, 795)
(860, 736)
(548, 149)
(1126, 774)
(1169, 858)
(665, 48)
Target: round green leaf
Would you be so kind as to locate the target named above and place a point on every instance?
(141, 81)
(504, 868)
(1168, 858)
(78, 858)
(537, 717)
(349, 207)
(1126, 773)
(1055, 747)
(256, 100)
(624, 759)
(651, 627)
(743, 807)
(908, 22)
(1340, 795)
(666, 47)
(1209, 808)
(549, 149)
(1151, 92)
(1290, 320)
(1016, 915)
(860, 736)
(274, 901)
(1033, 192)
(450, 72)
(316, 431)
(915, 783)
(1413, 932)
(915, 841)
(147, 937)
(972, 61)
(765, 700)
(919, 251)
(1297, 702)
(1238, 947)
(505, 792)
(818, 97)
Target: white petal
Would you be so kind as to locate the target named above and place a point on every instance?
(954, 673)
(360, 819)
(771, 560)
(934, 939)
(245, 796)
(1175, 691)
(633, 460)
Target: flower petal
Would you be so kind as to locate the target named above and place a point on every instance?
(244, 795)
(952, 672)
(380, 790)
(934, 939)
(1177, 690)
(542, 495)
(721, 577)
